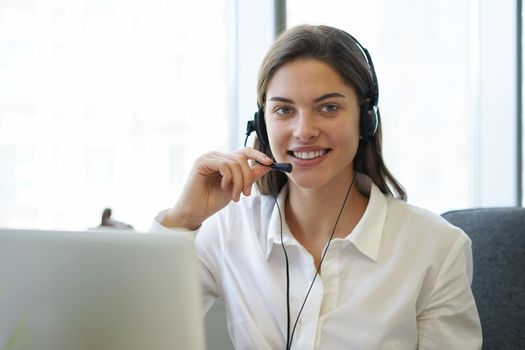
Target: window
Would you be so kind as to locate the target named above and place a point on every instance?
(106, 104)
(444, 70)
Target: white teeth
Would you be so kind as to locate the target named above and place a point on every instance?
(309, 155)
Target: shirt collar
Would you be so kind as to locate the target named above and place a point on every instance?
(366, 236)
(368, 232)
(276, 220)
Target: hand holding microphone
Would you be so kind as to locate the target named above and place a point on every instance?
(218, 178)
(215, 180)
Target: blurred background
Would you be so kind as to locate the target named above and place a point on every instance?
(106, 103)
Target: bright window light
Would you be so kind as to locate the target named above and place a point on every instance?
(106, 103)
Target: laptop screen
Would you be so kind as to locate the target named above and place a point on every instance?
(98, 290)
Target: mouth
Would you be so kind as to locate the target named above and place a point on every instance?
(308, 155)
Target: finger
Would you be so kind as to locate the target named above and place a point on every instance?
(226, 175)
(216, 162)
(259, 170)
(256, 155)
(209, 163)
(246, 171)
(237, 180)
(241, 176)
(231, 177)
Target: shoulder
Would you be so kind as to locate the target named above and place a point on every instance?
(426, 242)
(412, 223)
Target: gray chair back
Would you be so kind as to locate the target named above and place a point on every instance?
(498, 246)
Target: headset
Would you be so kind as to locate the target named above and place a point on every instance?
(369, 117)
(259, 126)
(368, 123)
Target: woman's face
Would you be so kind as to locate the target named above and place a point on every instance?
(312, 119)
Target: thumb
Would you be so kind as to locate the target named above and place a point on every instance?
(259, 170)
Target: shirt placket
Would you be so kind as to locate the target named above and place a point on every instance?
(331, 268)
(322, 299)
(307, 326)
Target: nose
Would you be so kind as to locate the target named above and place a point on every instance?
(305, 127)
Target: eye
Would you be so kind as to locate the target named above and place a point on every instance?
(283, 110)
(329, 108)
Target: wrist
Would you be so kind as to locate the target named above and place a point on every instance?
(177, 219)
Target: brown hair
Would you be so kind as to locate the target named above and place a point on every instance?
(339, 50)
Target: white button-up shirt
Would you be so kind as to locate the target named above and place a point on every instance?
(400, 280)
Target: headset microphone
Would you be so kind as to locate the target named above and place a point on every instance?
(251, 127)
(283, 167)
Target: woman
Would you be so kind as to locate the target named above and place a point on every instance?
(329, 256)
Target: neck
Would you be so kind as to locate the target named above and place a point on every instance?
(312, 213)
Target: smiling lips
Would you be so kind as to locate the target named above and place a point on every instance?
(307, 156)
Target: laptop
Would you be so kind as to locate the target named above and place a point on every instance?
(98, 290)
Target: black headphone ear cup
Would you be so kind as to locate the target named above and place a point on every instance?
(260, 127)
(369, 121)
(373, 117)
(364, 123)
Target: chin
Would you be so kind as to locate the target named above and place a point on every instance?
(308, 182)
(319, 179)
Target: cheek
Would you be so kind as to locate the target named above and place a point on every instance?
(348, 138)
(347, 129)
(354, 129)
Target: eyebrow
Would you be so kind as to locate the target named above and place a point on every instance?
(320, 98)
(330, 95)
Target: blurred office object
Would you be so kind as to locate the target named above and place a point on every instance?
(108, 221)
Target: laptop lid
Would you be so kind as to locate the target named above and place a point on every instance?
(98, 290)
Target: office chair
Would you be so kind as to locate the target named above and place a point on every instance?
(498, 246)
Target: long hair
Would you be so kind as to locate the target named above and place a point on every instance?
(340, 51)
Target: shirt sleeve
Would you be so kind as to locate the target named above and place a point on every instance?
(450, 319)
(205, 265)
